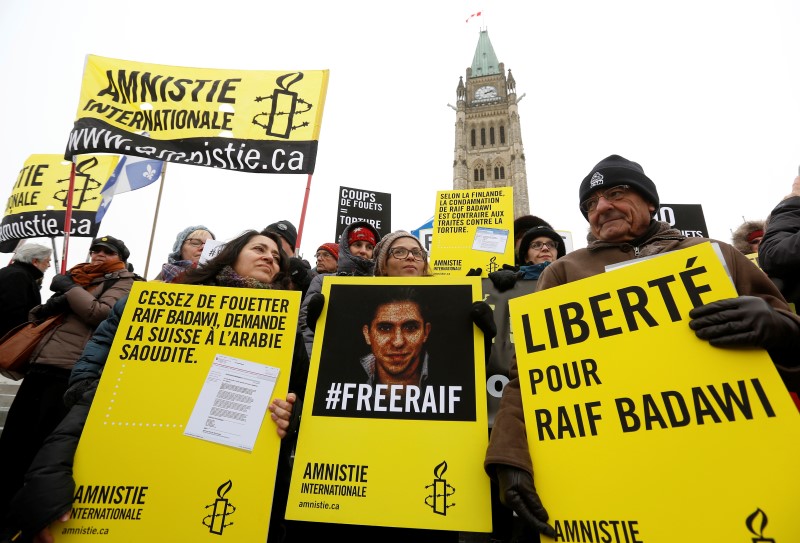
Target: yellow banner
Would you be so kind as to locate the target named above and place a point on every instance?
(381, 454)
(142, 472)
(473, 229)
(244, 120)
(38, 200)
(640, 431)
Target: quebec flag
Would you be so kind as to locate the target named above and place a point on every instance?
(131, 173)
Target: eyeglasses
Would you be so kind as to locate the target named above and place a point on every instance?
(103, 250)
(323, 255)
(536, 245)
(401, 252)
(612, 195)
(194, 242)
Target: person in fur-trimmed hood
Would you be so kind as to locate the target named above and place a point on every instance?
(748, 236)
(356, 249)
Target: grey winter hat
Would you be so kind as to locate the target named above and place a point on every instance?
(381, 254)
(175, 255)
(613, 171)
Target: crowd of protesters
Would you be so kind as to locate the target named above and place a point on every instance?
(617, 199)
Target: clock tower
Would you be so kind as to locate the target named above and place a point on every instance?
(488, 149)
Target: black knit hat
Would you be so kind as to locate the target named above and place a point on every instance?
(526, 222)
(613, 171)
(535, 232)
(284, 229)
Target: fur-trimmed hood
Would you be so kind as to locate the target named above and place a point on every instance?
(741, 233)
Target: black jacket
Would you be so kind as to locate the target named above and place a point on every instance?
(19, 293)
(779, 252)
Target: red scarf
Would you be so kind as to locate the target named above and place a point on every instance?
(84, 274)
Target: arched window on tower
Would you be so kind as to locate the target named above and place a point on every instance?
(481, 174)
(472, 137)
(491, 135)
(502, 135)
(483, 137)
(476, 174)
(496, 172)
(502, 172)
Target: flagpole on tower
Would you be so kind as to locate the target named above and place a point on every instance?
(155, 220)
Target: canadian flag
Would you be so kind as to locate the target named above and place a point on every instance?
(478, 14)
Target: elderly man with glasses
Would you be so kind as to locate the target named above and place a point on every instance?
(619, 201)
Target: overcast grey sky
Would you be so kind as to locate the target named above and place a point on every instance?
(703, 94)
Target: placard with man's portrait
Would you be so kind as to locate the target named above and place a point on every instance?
(395, 408)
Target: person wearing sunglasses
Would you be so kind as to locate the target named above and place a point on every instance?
(85, 296)
(186, 252)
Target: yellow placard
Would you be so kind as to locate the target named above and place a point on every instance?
(245, 120)
(641, 432)
(362, 447)
(138, 476)
(473, 228)
(38, 200)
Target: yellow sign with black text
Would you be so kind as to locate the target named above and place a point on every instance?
(641, 432)
(242, 120)
(178, 445)
(394, 424)
(38, 201)
(473, 228)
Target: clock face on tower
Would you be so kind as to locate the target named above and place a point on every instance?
(486, 93)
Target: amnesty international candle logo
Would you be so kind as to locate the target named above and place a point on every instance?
(756, 522)
(221, 509)
(284, 104)
(85, 184)
(442, 490)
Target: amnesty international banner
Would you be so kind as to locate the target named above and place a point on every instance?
(399, 403)
(178, 445)
(243, 120)
(38, 201)
(640, 431)
(473, 229)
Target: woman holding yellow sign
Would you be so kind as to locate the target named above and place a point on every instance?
(252, 260)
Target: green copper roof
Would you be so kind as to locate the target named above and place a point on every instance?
(485, 61)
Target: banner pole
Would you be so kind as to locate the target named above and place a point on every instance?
(155, 219)
(55, 253)
(68, 218)
(303, 215)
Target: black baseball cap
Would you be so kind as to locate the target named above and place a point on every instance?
(116, 245)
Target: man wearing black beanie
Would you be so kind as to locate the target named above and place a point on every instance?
(619, 200)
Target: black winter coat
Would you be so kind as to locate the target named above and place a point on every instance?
(779, 252)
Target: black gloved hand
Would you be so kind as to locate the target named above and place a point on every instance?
(510, 267)
(56, 305)
(62, 283)
(298, 271)
(474, 272)
(504, 280)
(76, 391)
(482, 315)
(314, 310)
(518, 493)
(744, 321)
